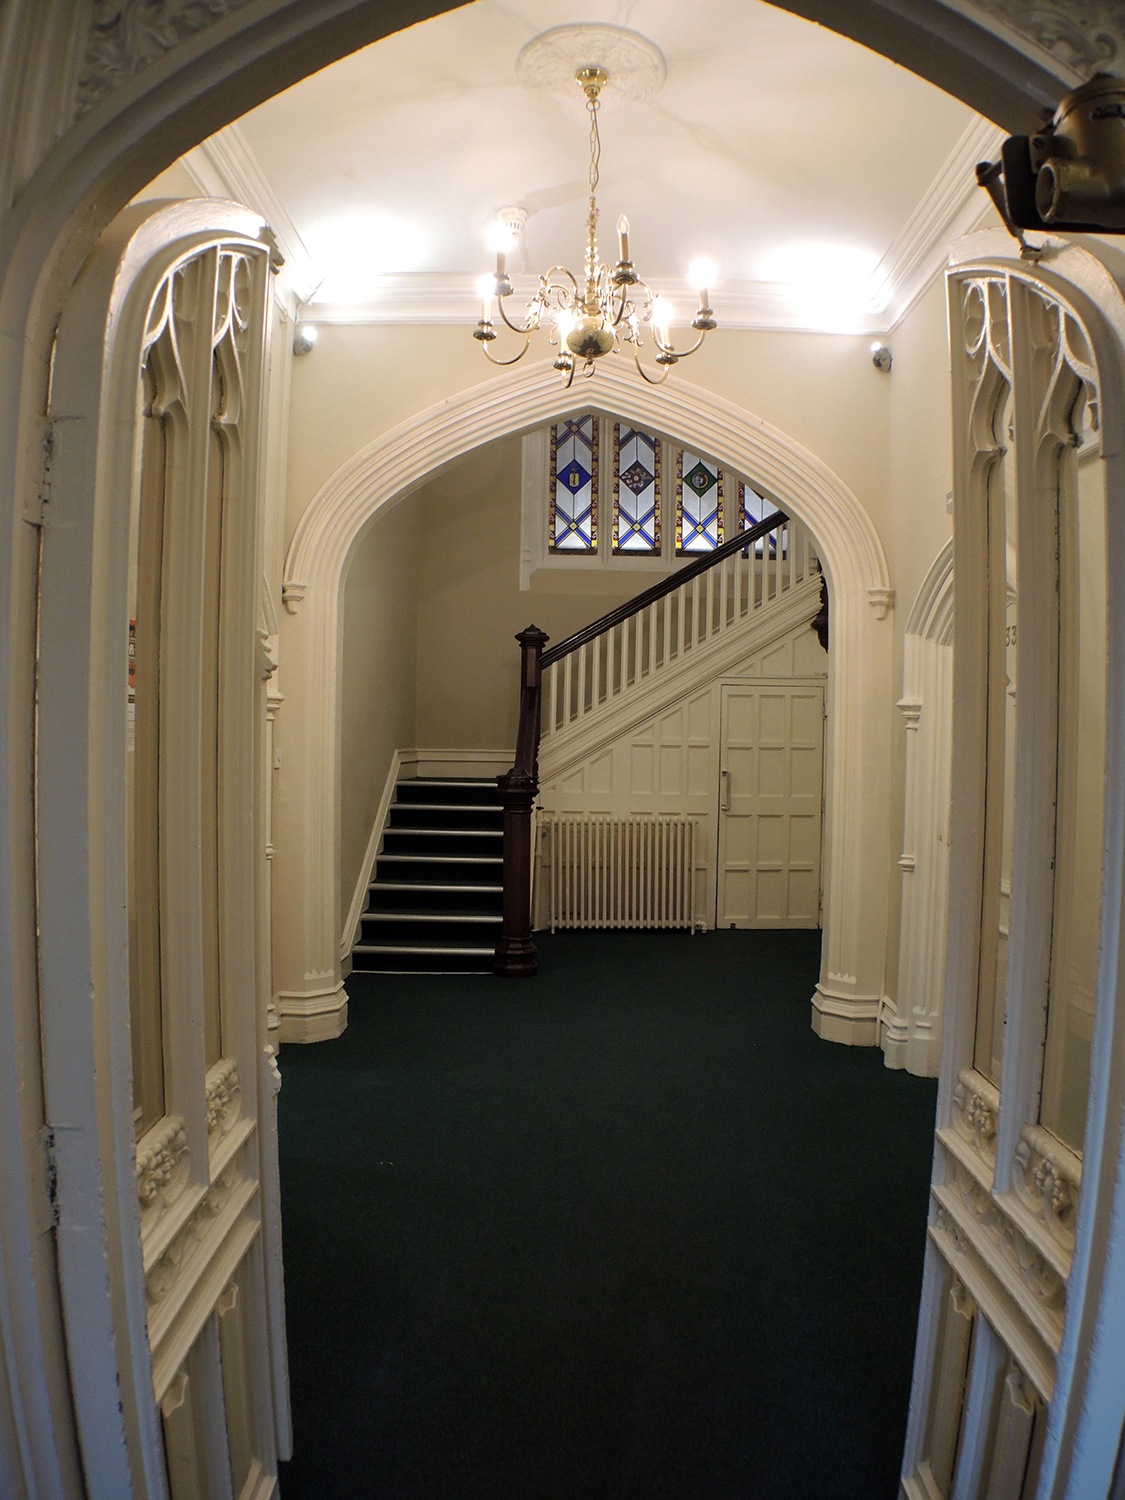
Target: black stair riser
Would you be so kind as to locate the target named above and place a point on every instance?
(418, 815)
(440, 929)
(403, 841)
(422, 963)
(388, 898)
(478, 792)
(426, 872)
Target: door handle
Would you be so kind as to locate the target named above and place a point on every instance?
(724, 802)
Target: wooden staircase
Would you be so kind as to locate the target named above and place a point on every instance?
(435, 898)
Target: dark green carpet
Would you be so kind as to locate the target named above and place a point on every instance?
(626, 1230)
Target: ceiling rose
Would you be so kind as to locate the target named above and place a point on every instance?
(549, 62)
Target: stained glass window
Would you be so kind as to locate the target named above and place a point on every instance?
(574, 485)
(636, 490)
(699, 503)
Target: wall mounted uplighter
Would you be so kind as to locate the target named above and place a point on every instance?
(304, 337)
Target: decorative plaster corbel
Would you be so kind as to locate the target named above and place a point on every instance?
(293, 593)
(882, 601)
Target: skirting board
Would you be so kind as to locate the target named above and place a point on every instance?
(483, 763)
(850, 1020)
(374, 844)
(319, 1016)
(405, 766)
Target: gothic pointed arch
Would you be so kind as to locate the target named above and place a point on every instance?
(846, 1001)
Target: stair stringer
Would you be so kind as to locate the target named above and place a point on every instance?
(568, 748)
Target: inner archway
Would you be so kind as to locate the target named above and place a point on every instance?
(846, 1001)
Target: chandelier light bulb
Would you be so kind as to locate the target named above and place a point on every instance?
(501, 240)
(486, 287)
(701, 274)
(663, 316)
(623, 238)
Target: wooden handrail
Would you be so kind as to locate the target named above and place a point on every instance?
(666, 586)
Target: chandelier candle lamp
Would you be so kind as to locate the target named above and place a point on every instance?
(606, 309)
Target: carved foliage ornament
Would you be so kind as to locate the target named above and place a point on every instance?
(975, 1105)
(1088, 36)
(1047, 1178)
(127, 35)
(161, 1168)
(224, 1097)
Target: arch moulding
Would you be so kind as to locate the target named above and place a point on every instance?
(912, 1027)
(846, 1000)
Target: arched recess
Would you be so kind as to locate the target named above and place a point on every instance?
(912, 1031)
(845, 1003)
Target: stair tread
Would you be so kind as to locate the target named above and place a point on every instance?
(473, 807)
(468, 833)
(474, 949)
(450, 780)
(431, 916)
(447, 858)
(431, 885)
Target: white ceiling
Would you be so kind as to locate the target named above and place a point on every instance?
(823, 180)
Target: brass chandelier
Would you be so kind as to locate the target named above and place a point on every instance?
(607, 309)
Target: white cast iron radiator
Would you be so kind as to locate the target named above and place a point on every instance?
(607, 871)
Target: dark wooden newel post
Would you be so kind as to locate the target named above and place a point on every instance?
(515, 952)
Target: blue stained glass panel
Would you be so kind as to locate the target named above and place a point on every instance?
(574, 485)
(699, 504)
(636, 491)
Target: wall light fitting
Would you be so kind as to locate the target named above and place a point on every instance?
(881, 357)
(304, 337)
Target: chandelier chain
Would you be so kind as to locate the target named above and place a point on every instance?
(595, 175)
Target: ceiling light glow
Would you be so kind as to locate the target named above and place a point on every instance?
(355, 251)
(830, 285)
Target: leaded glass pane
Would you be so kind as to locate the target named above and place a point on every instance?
(574, 485)
(753, 508)
(636, 490)
(699, 503)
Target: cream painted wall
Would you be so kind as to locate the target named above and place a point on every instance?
(920, 452)
(377, 708)
(467, 684)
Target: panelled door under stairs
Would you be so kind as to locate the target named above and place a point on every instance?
(770, 806)
(742, 757)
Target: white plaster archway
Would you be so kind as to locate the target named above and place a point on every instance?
(146, 95)
(845, 1004)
